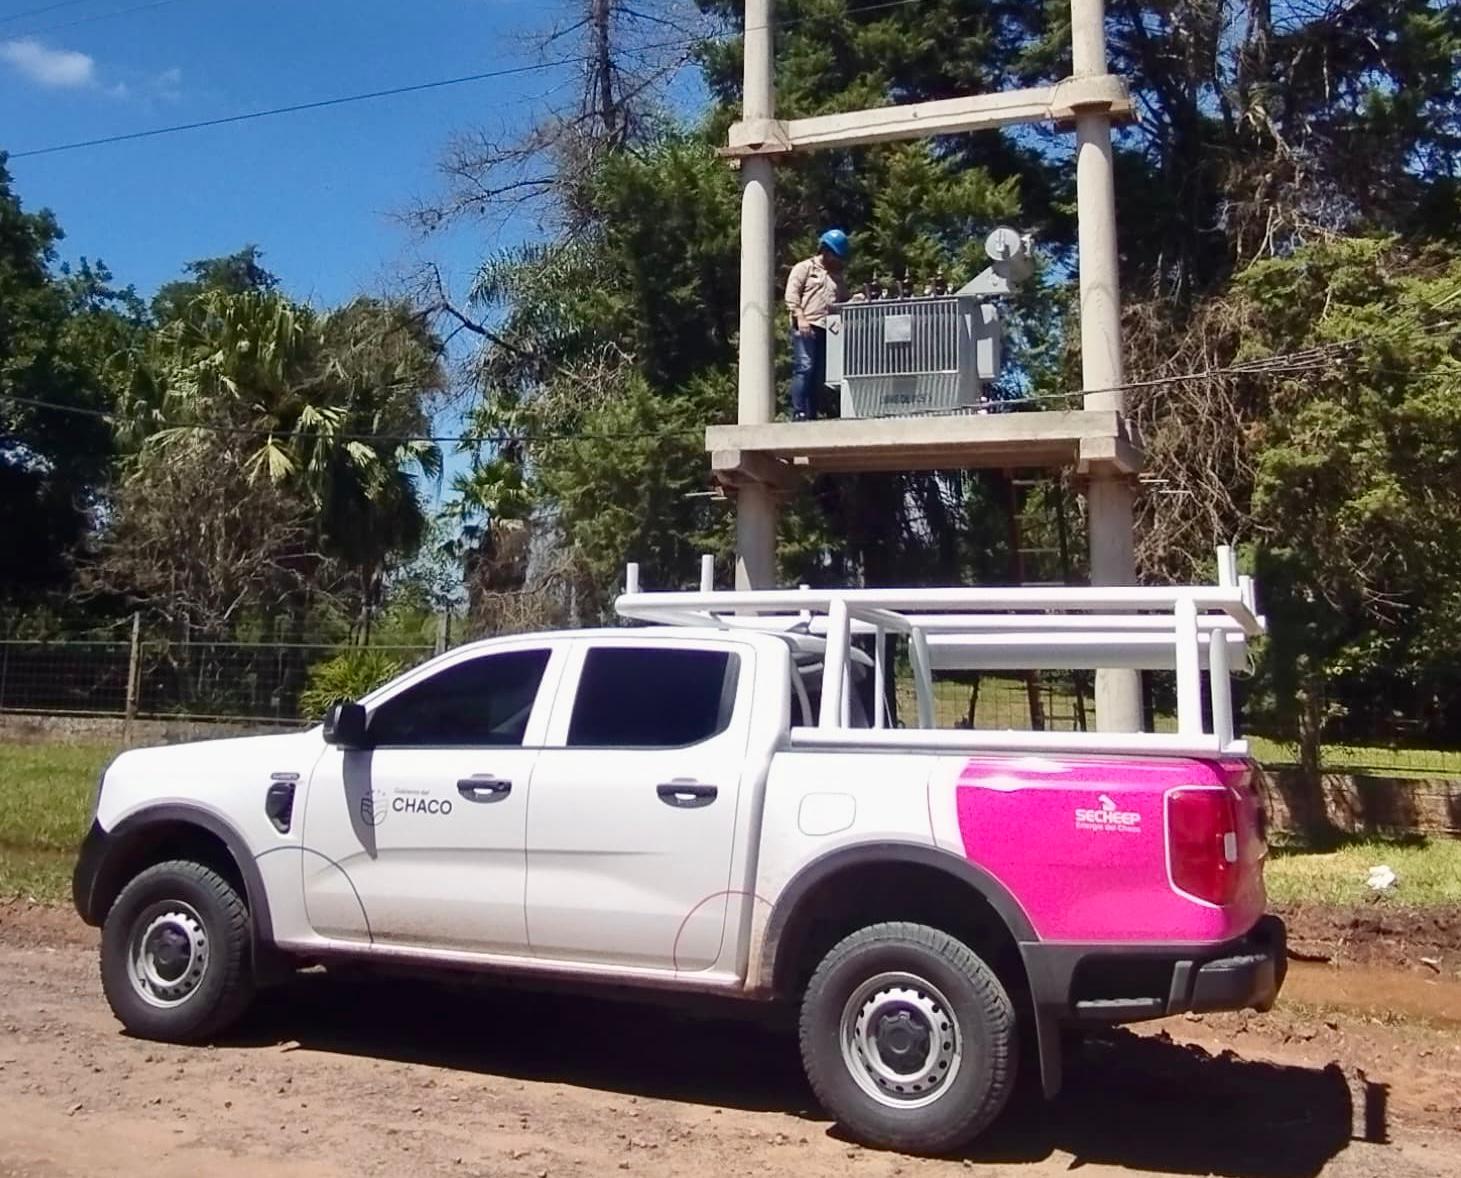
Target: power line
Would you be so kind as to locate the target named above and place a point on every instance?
(44, 8)
(86, 20)
(347, 99)
(253, 431)
(295, 108)
(1300, 361)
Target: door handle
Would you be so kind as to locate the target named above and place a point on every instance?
(686, 795)
(484, 789)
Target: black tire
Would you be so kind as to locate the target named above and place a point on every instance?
(182, 901)
(976, 1066)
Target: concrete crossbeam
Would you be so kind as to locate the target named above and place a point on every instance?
(1060, 103)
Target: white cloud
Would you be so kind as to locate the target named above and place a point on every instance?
(167, 85)
(58, 68)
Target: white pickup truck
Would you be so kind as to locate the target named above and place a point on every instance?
(699, 806)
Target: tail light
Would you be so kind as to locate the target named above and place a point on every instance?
(1202, 843)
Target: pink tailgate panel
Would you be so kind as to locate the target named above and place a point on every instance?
(1081, 844)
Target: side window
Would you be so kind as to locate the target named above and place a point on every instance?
(652, 697)
(485, 701)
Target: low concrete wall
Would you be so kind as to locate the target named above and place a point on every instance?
(30, 729)
(1366, 803)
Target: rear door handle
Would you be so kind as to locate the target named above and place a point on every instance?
(686, 795)
(484, 789)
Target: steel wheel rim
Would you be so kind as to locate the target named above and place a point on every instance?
(168, 954)
(900, 1041)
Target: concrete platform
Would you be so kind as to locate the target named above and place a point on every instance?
(778, 453)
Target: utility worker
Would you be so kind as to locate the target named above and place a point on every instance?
(814, 285)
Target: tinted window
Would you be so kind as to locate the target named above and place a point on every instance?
(485, 701)
(638, 697)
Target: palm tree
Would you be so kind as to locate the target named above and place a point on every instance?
(333, 406)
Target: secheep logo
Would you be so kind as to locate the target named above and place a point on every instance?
(373, 807)
(1108, 816)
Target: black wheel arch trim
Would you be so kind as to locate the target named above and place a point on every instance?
(101, 849)
(998, 897)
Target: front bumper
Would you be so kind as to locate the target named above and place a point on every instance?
(1129, 983)
(89, 862)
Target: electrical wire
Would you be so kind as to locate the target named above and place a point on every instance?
(38, 11)
(1298, 362)
(415, 88)
(319, 104)
(86, 20)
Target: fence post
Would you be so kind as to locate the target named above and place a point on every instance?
(443, 631)
(134, 679)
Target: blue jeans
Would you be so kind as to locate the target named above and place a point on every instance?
(808, 372)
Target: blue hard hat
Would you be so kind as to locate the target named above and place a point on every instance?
(836, 241)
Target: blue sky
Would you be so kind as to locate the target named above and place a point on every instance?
(318, 191)
(315, 190)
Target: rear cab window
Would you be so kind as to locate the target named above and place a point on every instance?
(653, 696)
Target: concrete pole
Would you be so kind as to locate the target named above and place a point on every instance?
(1108, 498)
(755, 507)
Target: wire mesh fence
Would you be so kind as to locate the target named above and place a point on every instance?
(155, 679)
(271, 683)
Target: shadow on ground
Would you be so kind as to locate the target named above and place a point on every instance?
(1147, 1103)
(1136, 1101)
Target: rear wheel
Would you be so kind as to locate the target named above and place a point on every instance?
(175, 953)
(909, 1038)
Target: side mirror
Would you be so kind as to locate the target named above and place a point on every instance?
(345, 725)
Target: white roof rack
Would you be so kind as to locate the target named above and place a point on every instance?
(1187, 629)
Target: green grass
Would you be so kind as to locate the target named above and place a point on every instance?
(45, 801)
(1428, 871)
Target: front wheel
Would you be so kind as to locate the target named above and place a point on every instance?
(175, 954)
(909, 1038)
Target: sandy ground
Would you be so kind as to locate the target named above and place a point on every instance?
(341, 1077)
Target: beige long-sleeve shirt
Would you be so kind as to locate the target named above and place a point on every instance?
(811, 289)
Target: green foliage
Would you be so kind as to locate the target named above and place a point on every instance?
(59, 333)
(236, 273)
(1357, 488)
(347, 676)
(646, 496)
(315, 411)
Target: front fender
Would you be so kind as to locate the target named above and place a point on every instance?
(107, 856)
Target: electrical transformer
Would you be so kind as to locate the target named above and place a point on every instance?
(901, 356)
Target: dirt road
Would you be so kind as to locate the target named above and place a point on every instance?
(335, 1077)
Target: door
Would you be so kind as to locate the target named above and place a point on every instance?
(633, 813)
(419, 839)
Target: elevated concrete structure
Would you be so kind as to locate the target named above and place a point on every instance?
(757, 456)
